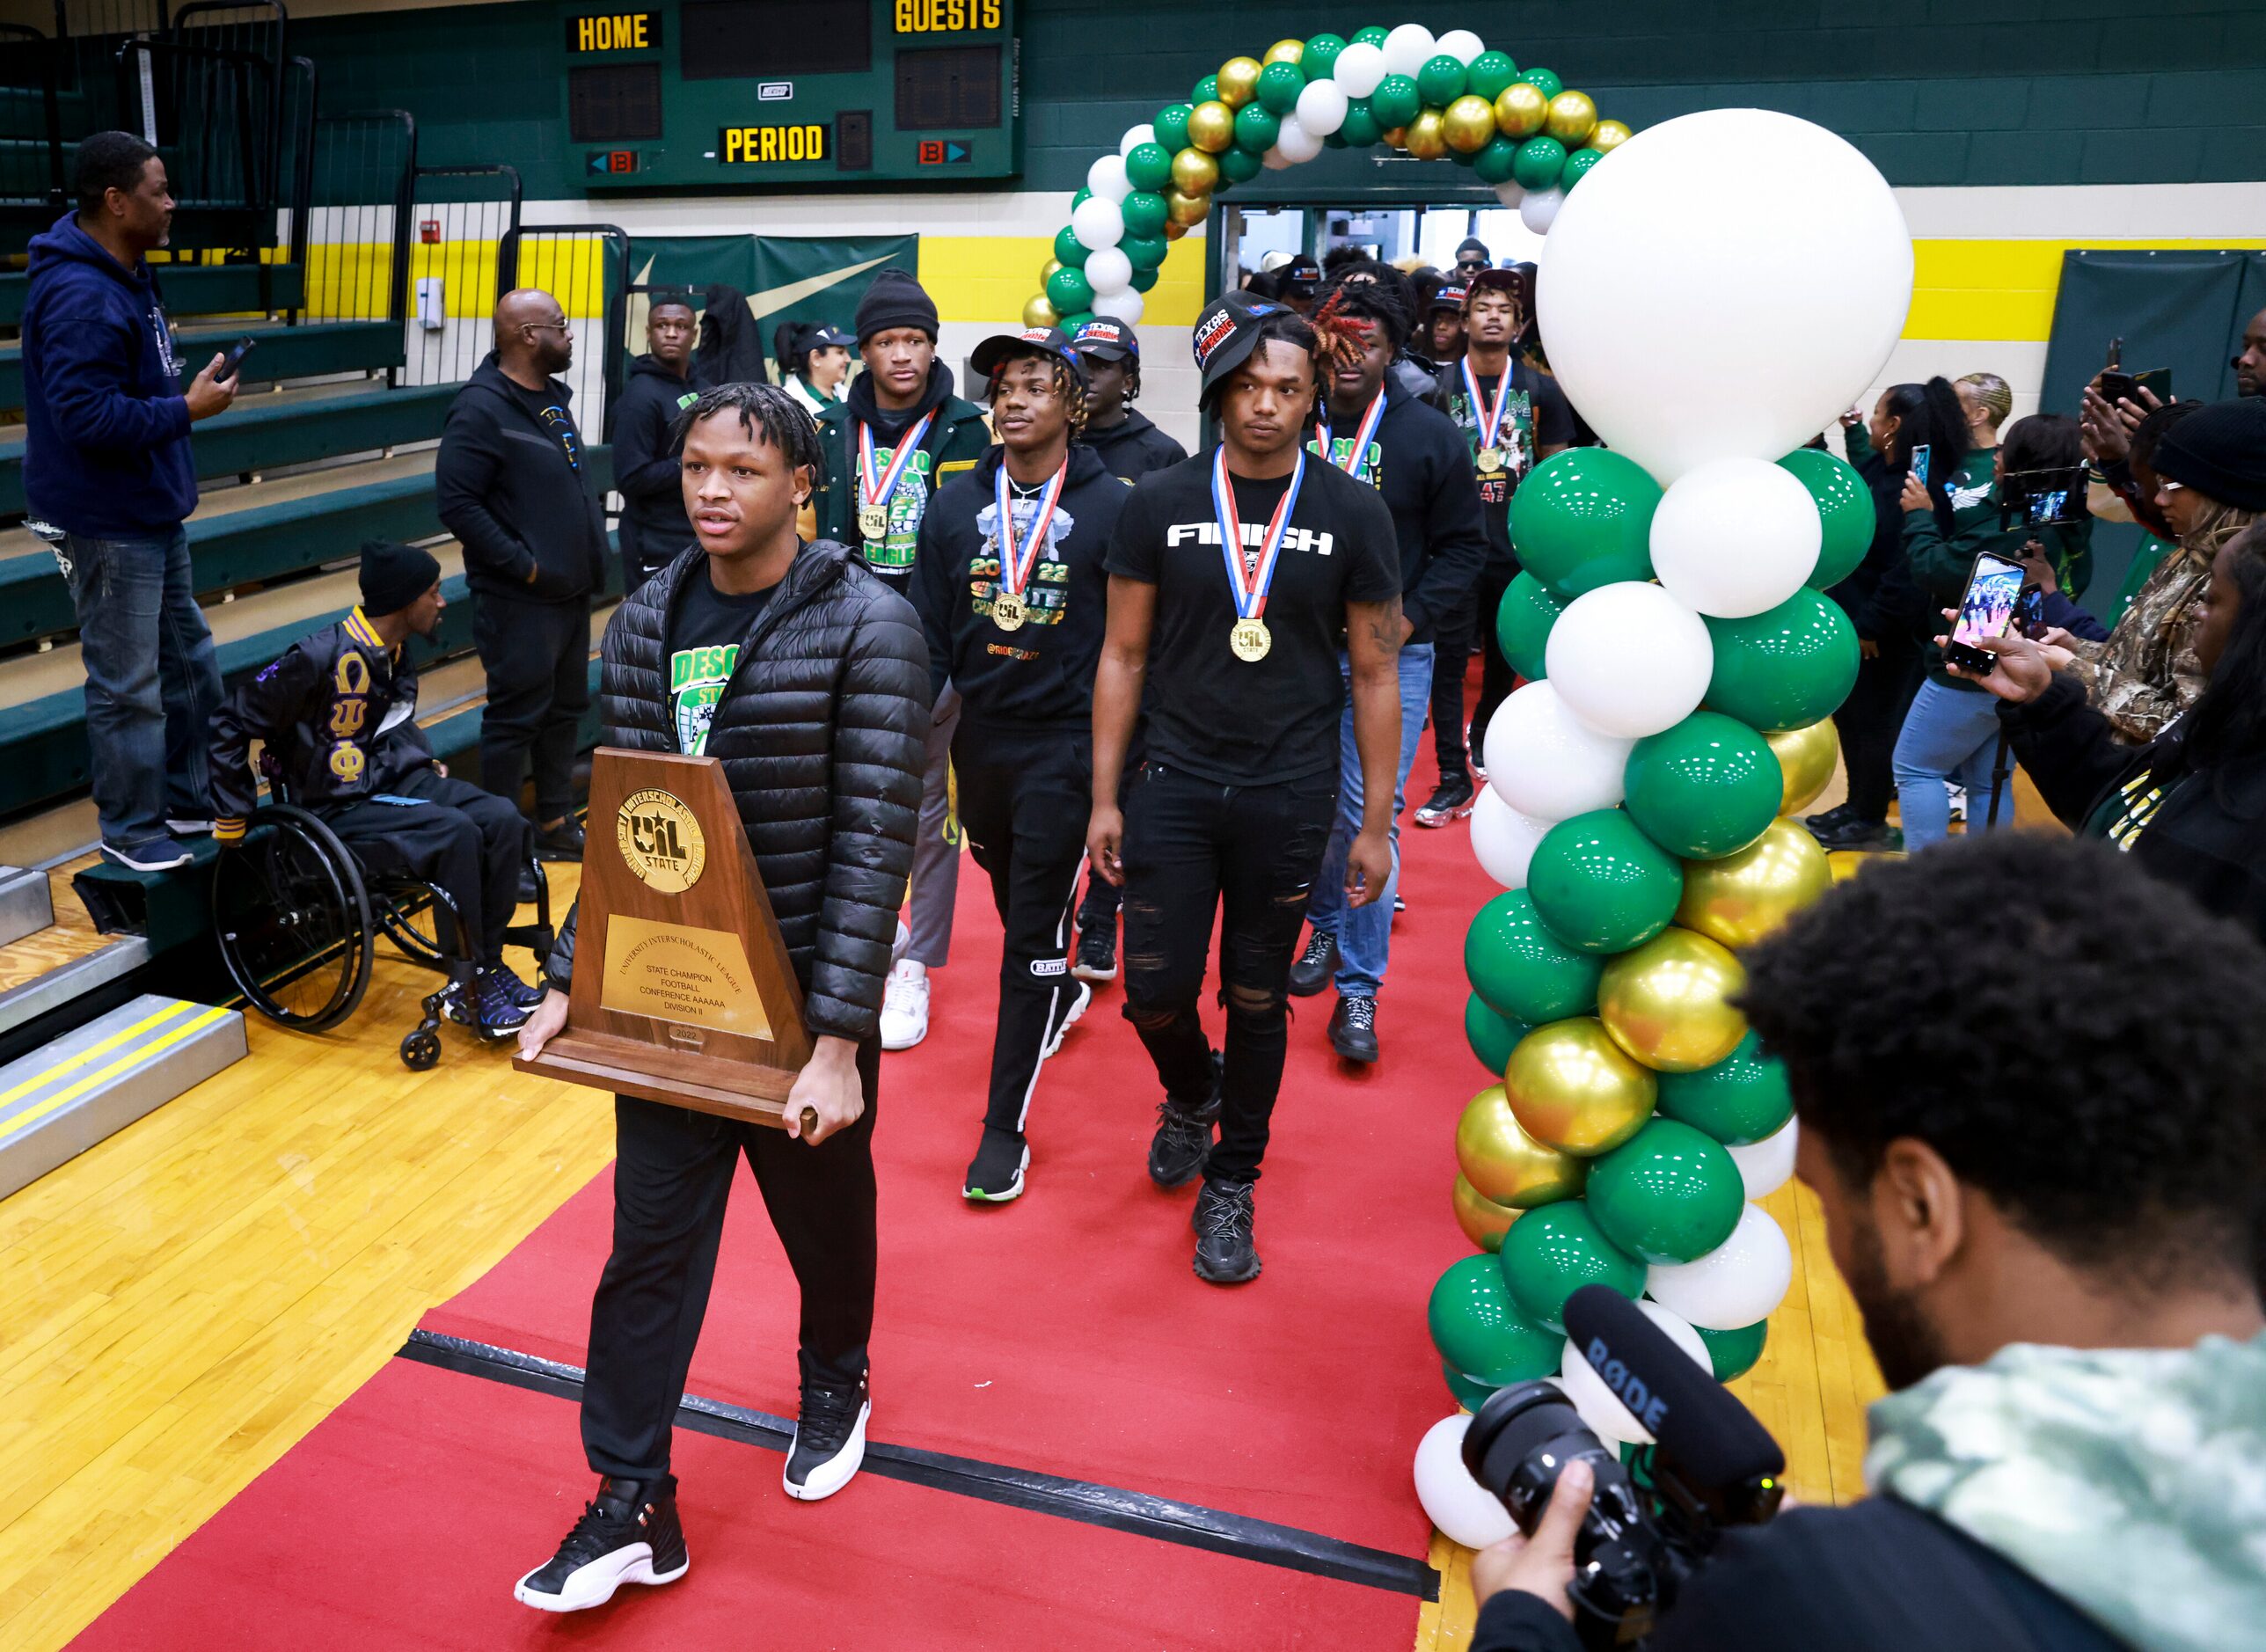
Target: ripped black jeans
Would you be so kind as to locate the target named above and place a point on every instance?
(1193, 847)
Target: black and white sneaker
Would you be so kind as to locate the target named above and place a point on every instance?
(1177, 1152)
(1226, 1255)
(1451, 801)
(1353, 1027)
(1315, 965)
(1070, 1020)
(829, 1438)
(562, 842)
(628, 1533)
(995, 1175)
(1097, 953)
(1830, 818)
(487, 1003)
(158, 854)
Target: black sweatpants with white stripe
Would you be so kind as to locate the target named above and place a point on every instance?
(1024, 799)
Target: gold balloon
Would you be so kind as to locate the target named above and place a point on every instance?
(1174, 229)
(1571, 1088)
(1469, 122)
(1742, 897)
(1195, 173)
(1484, 1221)
(1395, 137)
(1572, 117)
(1506, 1165)
(1047, 270)
(1668, 1002)
(1428, 137)
(1211, 127)
(1806, 756)
(1184, 212)
(1609, 137)
(1040, 313)
(1520, 109)
(1239, 81)
(1285, 52)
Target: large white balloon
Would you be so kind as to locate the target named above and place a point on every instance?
(1630, 658)
(1465, 1511)
(1547, 762)
(1599, 1408)
(1767, 1166)
(1322, 107)
(1804, 283)
(1111, 271)
(1538, 210)
(1505, 839)
(1295, 142)
(1460, 44)
(1407, 49)
(1106, 177)
(1736, 536)
(1511, 192)
(1125, 303)
(1097, 223)
(1135, 138)
(1739, 1282)
(1358, 68)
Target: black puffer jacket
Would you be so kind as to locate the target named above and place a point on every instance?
(821, 730)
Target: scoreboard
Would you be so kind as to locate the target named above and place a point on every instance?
(684, 93)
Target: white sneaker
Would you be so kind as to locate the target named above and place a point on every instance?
(1077, 1008)
(1958, 802)
(897, 947)
(905, 1007)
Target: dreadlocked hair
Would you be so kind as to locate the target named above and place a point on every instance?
(1353, 313)
(766, 409)
(1067, 386)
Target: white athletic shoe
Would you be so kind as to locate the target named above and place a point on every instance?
(824, 1455)
(1078, 1008)
(905, 1007)
(629, 1533)
(897, 947)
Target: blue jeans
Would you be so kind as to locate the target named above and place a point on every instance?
(1949, 738)
(152, 684)
(1364, 934)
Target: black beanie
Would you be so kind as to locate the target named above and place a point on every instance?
(895, 300)
(395, 575)
(2219, 451)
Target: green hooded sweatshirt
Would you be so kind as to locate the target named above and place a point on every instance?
(2129, 1482)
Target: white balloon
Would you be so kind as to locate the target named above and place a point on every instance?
(1274, 160)
(1511, 192)
(1465, 1511)
(1322, 107)
(1460, 44)
(1110, 271)
(1125, 303)
(1407, 49)
(1739, 1282)
(1097, 223)
(1629, 659)
(1612, 1421)
(1736, 536)
(1547, 763)
(1765, 1166)
(1807, 289)
(1538, 210)
(1295, 142)
(1503, 839)
(1106, 177)
(1135, 138)
(1358, 68)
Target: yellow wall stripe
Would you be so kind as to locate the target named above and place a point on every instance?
(989, 278)
(2004, 290)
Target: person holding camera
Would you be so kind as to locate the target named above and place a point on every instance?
(2067, 1309)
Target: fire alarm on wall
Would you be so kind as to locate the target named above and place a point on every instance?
(429, 232)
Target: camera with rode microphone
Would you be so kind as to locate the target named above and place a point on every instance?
(1652, 1521)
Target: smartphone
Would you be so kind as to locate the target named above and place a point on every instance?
(2115, 387)
(1986, 609)
(1919, 463)
(2030, 612)
(233, 359)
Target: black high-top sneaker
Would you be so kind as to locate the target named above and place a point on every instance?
(1451, 801)
(1315, 966)
(829, 1437)
(1226, 1255)
(628, 1533)
(1353, 1027)
(1183, 1138)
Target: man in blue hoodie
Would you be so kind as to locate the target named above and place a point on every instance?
(109, 479)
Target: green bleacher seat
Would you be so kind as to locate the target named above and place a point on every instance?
(319, 347)
(195, 289)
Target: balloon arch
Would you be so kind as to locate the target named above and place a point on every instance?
(1451, 97)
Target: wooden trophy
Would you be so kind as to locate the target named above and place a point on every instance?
(682, 991)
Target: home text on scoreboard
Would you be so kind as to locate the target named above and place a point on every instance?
(615, 32)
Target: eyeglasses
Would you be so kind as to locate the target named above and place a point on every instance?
(547, 326)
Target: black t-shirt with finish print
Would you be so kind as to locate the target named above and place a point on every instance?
(703, 644)
(1221, 718)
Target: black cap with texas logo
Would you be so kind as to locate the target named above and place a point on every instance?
(986, 357)
(1227, 331)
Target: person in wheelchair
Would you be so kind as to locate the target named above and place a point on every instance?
(337, 713)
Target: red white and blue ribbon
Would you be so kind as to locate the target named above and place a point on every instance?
(1251, 589)
(1488, 414)
(1015, 562)
(906, 444)
(1356, 461)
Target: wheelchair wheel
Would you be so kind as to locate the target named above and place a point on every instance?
(293, 921)
(410, 917)
(420, 1051)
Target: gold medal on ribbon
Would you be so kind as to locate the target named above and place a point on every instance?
(874, 522)
(1250, 640)
(1491, 460)
(1009, 607)
(1007, 610)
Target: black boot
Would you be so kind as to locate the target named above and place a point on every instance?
(1226, 1255)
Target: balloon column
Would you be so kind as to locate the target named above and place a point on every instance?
(1520, 130)
(1683, 660)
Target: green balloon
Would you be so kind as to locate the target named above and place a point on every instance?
(1521, 971)
(1334, 140)
(1206, 90)
(1786, 667)
(1279, 86)
(1844, 511)
(1740, 1099)
(1577, 166)
(1469, 1394)
(1496, 164)
(1238, 165)
(1600, 885)
(1669, 1194)
(1441, 80)
(1544, 80)
(1361, 126)
(1523, 622)
(1143, 279)
(1321, 52)
(1255, 129)
(1171, 126)
(1705, 788)
(1373, 35)
(1583, 518)
(1480, 1335)
(1489, 73)
(1144, 250)
(1069, 249)
(1458, 157)
(1083, 194)
(1734, 1353)
(1068, 291)
(1396, 101)
(1492, 1036)
(1149, 168)
(1540, 159)
(1069, 324)
(1550, 1254)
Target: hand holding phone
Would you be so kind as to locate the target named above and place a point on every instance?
(1987, 612)
(1919, 464)
(231, 361)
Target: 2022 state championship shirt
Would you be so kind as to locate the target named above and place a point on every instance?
(702, 645)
